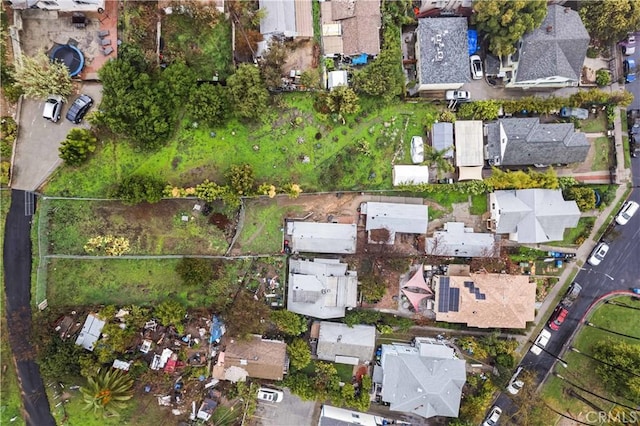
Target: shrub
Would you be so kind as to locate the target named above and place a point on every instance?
(138, 189)
(603, 77)
(584, 197)
(77, 146)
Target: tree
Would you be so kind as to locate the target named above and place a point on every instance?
(209, 104)
(241, 179)
(299, 353)
(137, 189)
(177, 81)
(342, 100)
(170, 312)
(59, 358)
(506, 21)
(480, 110)
(107, 392)
(248, 92)
(326, 380)
(603, 77)
(437, 158)
(619, 355)
(77, 146)
(372, 287)
(289, 322)
(272, 63)
(610, 21)
(246, 315)
(195, 271)
(39, 77)
(584, 197)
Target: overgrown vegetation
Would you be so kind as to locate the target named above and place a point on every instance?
(8, 132)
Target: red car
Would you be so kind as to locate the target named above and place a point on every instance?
(558, 317)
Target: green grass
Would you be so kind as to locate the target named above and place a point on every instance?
(627, 153)
(576, 236)
(262, 228)
(478, 204)
(150, 229)
(10, 398)
(623, 119)
(355, 155)
(345, 371)
(594, 125)
(602, 148)
(616, 318)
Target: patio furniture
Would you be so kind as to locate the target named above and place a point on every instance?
(105, 41)
(107, 51)
(103, 33)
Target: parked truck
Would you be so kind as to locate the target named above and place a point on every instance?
(562, 310)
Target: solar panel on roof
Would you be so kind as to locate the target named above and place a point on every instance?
(454, 299)
(481, 296)
(443, 297)
(471, 286)
(468, 283)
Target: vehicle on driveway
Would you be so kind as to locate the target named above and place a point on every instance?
(579, 113)
(493, 417)
(515, 384)
(541, 342)
(629, 67)
(53, 108)
(79, 108)
(417, 150)
(627, 211)
(476, 67)
(598, 254)
(270, 395)
(457, 95)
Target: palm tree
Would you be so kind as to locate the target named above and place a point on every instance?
(107, 392)
(438, 160)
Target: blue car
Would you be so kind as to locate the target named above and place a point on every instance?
(629, 67)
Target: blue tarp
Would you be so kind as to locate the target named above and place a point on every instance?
(360, 60)
(473, 41)
(217, 329)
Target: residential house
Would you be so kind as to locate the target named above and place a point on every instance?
(206, 409)
(257, 358)
(526, 142)
(90, 332)
(445, 6)
(410, 175)
(314, 237)
(395, 218)
(340, 343)
(285, 19)
(457, 240)
(485, 300)
(442, 54)
(425, 379)
(469, 141)
(334, 416)
(321, 288)
(532, 215)
(60, 5)
(442, 138)
(552, 55)
(351, 27)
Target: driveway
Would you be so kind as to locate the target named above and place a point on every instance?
(290, 411)
(38, 141)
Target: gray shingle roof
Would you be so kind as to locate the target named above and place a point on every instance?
(557, 48)
(280, 17)
(313, 237)
(339, 339)
(406, 218)
(530, 142)
(536, 215)
(459, 241)
(453, 67)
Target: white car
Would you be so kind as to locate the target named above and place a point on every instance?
(270, 395)
(629, 46)
(541, 342)
(598, 254)
(457, 95)
(493, 417)
(476, 67)
(53, 108)
(626, 212)
(514, 384)
(417, 150)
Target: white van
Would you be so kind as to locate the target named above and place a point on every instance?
(626, 212)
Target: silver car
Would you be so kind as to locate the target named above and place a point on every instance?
(53, 108)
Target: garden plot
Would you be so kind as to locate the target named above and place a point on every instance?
(167, 227)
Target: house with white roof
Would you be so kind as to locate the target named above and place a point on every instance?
(457, 240)
(469, 141)
(395, 218)
(90, 332)
(314, 237)
(410, 175)
(340, 343)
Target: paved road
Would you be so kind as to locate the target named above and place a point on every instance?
(17, 269)
(634, 87)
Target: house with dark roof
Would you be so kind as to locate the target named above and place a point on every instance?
(257, 357)
(532, 215)
(442, 54)
(425, 379)
(340, 343)
(351, 27)
(552, 55)
(526, 142)
(442, 138)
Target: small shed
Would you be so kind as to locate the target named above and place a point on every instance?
(442, 138)
(90, 332)
(336, 78)
(410, 175)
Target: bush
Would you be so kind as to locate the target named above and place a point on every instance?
(584, 197)
(75, 149)
(139, 189)
(194, 271)
(603, 77)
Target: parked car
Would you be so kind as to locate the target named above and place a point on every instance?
(514, 384)
(476, 67)
(579, 113)
(629, 67)
(417, 150)
(626, 212)
(558, 317)
(270, 395)
(598, 254)
(79, 108)
(457, 95)
(493, 417)
(629, 45)
(53, 108)
(541, 342)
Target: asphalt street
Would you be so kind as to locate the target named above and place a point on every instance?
(17, 272)
(634, 87)
(620, 270)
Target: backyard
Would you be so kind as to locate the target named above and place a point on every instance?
(602, 147)
(293, 143)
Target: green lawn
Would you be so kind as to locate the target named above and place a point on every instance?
(150, 229)
(293, 143)
(594, 124)
(602, 147)
(627, 153)
(479, 204)
(615, 318)
(576, 236)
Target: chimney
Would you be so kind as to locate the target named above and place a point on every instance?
(567, 9)
(549, 29)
